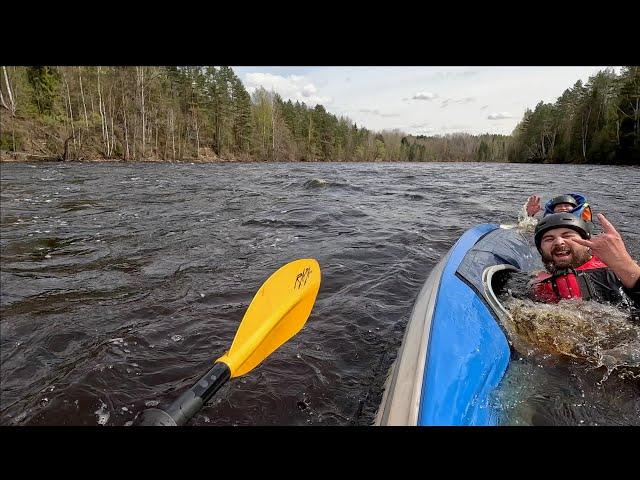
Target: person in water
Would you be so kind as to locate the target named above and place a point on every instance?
(580, 265)
(574, 203)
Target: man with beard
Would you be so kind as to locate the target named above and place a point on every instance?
(579, 266)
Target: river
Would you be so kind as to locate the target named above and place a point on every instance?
(123, 282)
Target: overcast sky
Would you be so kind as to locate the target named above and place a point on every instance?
(421, 100)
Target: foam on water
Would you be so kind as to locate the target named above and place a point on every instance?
(102, 413)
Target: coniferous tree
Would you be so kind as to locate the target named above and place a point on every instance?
(44, 81)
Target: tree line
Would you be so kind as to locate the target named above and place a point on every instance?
(191, 113)
(205, 113)
(595, 122)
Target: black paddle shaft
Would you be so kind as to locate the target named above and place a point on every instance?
(188, 404)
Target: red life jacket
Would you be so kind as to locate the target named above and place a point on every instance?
(565, 284)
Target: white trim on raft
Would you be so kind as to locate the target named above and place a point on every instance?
(400, 403)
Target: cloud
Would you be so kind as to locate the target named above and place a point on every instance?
(447, 101)
(419, 125)
(309, 90)
(484, 106)
(499, 116)
(292, 87)
(377, 112)
(424, 96)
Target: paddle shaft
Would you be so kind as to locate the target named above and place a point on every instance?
(188, 404)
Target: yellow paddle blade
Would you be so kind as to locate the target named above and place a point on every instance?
(277, 312)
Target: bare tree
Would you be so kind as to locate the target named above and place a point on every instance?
(140, 81)
(105, 130)
(12, 104)
(70, 113)
(84, 105)
(173, 137)
(195, 116)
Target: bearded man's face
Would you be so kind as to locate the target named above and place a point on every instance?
(558, 254)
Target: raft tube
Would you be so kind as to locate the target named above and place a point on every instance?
(455, 352)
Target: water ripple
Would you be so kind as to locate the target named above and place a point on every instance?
(105, 265)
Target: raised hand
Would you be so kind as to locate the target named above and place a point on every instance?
(533, 205)
(610, 248)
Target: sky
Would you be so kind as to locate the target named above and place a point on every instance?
(421, 100)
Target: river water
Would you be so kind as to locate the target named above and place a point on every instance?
(123, 282)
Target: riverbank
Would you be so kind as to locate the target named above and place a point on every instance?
(24, 157)
(42, 139)
(18, 157)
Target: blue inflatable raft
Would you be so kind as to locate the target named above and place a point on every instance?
(454, 351)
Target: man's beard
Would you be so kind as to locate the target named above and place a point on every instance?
(574, 260)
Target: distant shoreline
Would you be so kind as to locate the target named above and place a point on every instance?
(24, 157)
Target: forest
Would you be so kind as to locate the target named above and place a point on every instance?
(195, 113)
(598, 122)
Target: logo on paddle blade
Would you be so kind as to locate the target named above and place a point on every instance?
(301, 279)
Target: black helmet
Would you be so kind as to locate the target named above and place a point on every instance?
(562, 199)
(561, 220)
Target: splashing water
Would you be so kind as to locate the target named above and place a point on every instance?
(573, 363)
(597, 334)
(525, 222)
